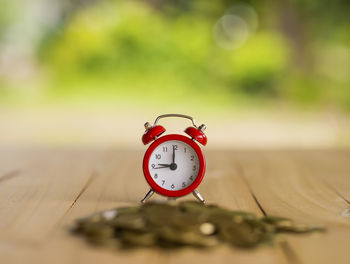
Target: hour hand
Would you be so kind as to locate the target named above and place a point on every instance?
(171, 166)
(162, 166)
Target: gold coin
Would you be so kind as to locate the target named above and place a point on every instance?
(187, 223)
(207, 228)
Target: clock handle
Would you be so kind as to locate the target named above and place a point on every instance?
(176, 115)
(195, 132)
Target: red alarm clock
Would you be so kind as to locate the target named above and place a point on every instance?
(174, 164)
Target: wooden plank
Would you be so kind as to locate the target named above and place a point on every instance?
(35, 201)
(55, 187)
(332, 166)
(114, 188)
(283, 187)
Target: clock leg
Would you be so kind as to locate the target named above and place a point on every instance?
(147, 196)
(198, 196)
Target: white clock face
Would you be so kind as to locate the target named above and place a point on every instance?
(174, 165)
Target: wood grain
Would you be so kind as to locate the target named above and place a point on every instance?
(284, 183)
(42, 192)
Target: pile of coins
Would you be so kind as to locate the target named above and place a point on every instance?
(183, 224)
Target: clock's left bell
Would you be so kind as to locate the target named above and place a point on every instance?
(151, 133)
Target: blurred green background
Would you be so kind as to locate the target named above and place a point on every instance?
(275, 73)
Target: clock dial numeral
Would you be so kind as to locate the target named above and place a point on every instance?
(153, 166)
(194, 167)
(192, 157)
(172, 186)
(158, 156)
(185, 150)
(163, 182)
(183, 184)
(191, 178)
(175, 147)
(165, 149)
(156, 176)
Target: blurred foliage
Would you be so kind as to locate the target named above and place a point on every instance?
(153, 49)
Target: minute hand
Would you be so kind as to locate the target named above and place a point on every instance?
(173, 154)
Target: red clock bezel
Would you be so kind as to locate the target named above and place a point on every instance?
(161, 190)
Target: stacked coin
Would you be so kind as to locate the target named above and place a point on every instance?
(191, 223)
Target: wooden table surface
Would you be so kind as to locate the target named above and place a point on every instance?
(42, 192)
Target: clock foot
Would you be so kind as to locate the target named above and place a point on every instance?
(198, 196)
(147, 196)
